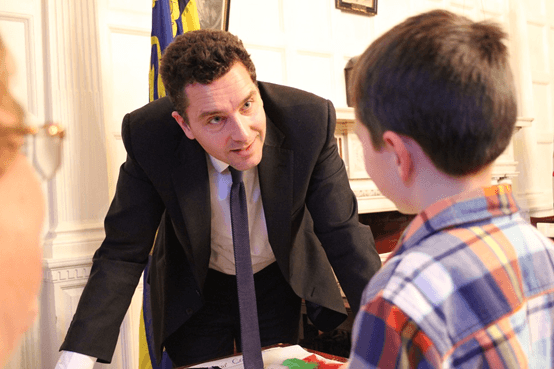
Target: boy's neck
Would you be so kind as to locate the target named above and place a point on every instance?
(433, 186)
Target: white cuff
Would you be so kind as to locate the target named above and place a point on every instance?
(74, 360)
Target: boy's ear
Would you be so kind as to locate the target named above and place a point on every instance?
(398, 146)
(184, 126)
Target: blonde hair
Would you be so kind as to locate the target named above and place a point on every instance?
(11, 115)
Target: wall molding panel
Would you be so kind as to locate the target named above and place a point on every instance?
(28, 70)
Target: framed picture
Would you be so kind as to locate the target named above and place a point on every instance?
(366, 7)
(214, 13)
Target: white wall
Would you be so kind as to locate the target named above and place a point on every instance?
(84, 63)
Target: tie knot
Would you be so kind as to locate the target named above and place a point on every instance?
(236, 175)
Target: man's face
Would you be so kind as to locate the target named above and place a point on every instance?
(21, 218)
(227, 118)
(11, 115)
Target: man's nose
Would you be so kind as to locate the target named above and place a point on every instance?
(241, 129)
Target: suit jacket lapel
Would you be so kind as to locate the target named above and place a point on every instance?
(276, 178)
(191, 182)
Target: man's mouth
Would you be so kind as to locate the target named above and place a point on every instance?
(243, 149)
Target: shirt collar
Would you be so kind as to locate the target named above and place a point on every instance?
(468, 207)
(219, 165)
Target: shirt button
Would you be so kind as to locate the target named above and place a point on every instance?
(189, 311)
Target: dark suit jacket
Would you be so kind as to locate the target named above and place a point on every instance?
(311, 216)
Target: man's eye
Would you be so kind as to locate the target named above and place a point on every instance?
(216, 120)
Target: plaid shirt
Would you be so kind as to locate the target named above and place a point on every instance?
(469, 285)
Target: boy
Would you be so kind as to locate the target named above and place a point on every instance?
(470, 283)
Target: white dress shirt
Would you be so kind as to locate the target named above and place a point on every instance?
(74, 360)
(222, 257)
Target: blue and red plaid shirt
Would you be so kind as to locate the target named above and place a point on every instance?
(469, 285)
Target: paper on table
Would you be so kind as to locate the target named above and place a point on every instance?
(273, 358)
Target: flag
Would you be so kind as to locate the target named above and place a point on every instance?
(169, 19)
(147, 357)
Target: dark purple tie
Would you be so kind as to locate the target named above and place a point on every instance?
(249, 331)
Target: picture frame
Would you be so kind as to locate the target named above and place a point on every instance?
(365, 7)
(214, 13)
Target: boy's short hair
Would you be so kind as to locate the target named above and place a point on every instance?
(200, 56)
(444, 81)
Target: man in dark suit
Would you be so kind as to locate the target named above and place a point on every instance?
(303, 215)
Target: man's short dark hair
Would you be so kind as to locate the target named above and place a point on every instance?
(444, 81)
(200, 56)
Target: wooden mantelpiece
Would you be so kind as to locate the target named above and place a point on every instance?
(370, 199)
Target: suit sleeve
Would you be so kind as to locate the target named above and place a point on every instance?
(130, 226)
(349, 245)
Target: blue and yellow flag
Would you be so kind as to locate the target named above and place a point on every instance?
(147, 357)
(169, 19)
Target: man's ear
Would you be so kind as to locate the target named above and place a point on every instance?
(398, 146)
(183, 124)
